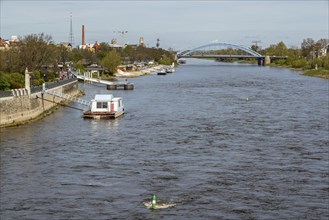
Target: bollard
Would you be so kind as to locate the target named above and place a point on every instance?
(154, 201)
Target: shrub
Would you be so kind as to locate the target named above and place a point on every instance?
(299, 63)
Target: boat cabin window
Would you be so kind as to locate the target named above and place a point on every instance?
(101, 104)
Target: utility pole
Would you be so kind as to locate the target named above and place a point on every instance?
(123, 37)
(256, 44)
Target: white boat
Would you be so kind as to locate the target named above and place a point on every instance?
(170, 69)
(105, 106)
(162, 72)
(181, 61)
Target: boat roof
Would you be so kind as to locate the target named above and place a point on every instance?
(103, 97)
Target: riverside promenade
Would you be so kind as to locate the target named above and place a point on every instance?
(23, 105)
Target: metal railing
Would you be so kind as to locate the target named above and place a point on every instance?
(36, 89)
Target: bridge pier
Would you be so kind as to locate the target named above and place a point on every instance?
(261, 61)
(267, 60)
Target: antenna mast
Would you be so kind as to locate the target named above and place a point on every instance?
(71, 40)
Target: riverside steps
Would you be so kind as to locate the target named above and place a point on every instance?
(87, 77)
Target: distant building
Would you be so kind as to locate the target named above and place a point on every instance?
(91, 47)
(114, 43)
(7, 44)
(324, 51)
(141, 42)
(4, 45)
(94, 68)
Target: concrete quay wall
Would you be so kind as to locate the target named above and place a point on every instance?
(20, 109)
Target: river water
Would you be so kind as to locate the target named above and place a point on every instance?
(220, 141)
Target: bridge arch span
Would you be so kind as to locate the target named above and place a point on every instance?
(245, 49)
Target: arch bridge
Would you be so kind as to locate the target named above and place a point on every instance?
(218, 50)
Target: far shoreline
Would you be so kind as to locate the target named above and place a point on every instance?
(319, 73)
(137, 73)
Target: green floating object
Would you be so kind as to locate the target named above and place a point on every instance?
(154, 202)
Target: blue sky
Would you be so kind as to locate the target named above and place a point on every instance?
(178, 24)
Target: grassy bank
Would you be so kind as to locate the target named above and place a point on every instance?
(317, 73)
(321, 73)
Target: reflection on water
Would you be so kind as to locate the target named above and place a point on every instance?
(110, 125)
(219, 141)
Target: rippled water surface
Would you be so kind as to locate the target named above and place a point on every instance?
(221, 141)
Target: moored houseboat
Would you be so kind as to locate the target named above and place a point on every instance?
(105, 106)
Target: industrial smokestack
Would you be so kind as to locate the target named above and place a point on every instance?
(83, 35)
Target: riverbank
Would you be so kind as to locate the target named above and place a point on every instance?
(141, 72)
(322, 73)
(23, 108)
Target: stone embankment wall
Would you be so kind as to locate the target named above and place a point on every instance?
(23, 107)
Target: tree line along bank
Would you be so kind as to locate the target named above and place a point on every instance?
(45, 59)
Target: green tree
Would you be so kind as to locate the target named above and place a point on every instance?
(256, 48)
(299, 63)
(307, 48)
(4, 82)
(37, 78)
(37, 51)
(127, 51)
(111, 61)
(63, 54)
(165, 60)
(325, 62)
(279, 49)
(9, 60)
(11, 81)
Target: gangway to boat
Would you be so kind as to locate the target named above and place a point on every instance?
(82, 77)
(67, 97)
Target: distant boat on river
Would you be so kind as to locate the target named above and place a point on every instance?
(170, 69)
(162, 72)
(105, 106)
(181, 61)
